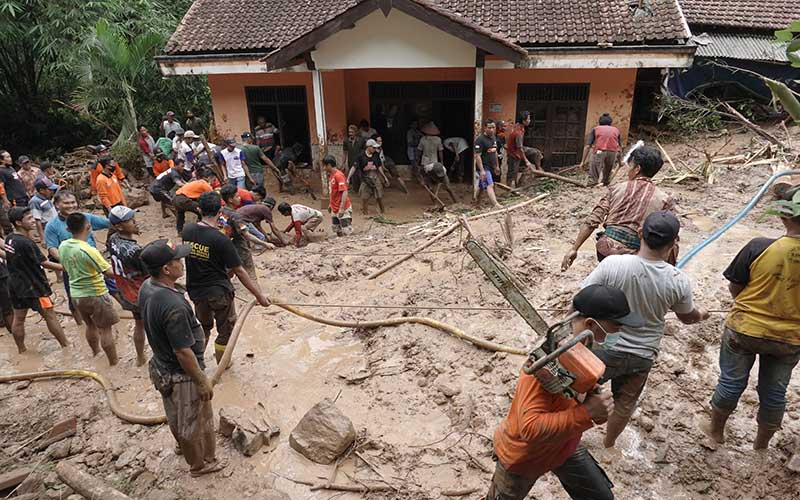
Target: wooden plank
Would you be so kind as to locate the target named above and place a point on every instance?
(12, 478)
(86, 485)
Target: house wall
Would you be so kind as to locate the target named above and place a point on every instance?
(230, 104)
(610, 91)
(396, 41)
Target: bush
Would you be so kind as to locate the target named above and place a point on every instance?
(129, 156)
(688, 116)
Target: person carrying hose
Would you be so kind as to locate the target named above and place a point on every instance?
(176, 368)
(623, 208)
(542, 432)
(765, 322)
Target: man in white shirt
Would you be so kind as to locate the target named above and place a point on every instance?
(170, 125)
(235, 167)
(456, 145)
(183, 148)
(304, 220)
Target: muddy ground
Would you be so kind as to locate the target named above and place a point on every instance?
(425, 404)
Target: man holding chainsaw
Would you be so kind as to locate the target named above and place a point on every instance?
(653, 288)
(543, 429)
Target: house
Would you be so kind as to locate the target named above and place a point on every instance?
(315, 66)
(732, 38)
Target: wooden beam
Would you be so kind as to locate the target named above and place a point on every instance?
(309, 60)
(12, 478)
(385, 6)
(480, 58)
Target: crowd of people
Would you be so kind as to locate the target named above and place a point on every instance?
(623, 302)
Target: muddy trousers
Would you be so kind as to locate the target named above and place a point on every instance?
(602, 163)
(776, 360)
(190, 420)
(182, 205)
(628, 375)
(581, 476)
(218, 307)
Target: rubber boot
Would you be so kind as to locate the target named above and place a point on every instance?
(715, 428)
(763, 435)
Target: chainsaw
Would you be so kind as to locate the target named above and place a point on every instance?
(561, 366)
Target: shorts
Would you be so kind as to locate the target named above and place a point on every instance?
(218, 306)
(130, 306)
(5, 299)
(370, 188)
(483, 184)
(344, 223)
(628, 375)
(97, 311)
(36, 303)
(246, 256)
(514, 165)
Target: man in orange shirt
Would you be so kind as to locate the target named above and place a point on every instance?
(109, 190)
(102, 154)
(161, 163)
(542, 431)
(186, 197)
(340, 208)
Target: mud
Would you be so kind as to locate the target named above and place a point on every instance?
(424, 404)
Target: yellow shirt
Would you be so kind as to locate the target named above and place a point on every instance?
(769, 305)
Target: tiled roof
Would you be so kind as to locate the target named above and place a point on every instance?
(753, 14)
(744, 46)
(229, 26)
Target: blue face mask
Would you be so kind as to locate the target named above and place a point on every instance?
(610, 340)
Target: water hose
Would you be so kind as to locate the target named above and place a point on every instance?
(117, 410)
(719, 232)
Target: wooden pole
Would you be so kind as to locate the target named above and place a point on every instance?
(86, 485)
(213, 160)
(449, 230)
(433, 196)
(549, 175)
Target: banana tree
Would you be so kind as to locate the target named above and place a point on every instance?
(112, 70)
(791, 37)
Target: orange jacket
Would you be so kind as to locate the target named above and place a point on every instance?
(159, 167)
(118, 173)
(109, 191)
(541, 430)
(194, 189)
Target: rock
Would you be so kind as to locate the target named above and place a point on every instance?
(445, 385)
(126, 458)
(794, 463)
(51, 480)
(60, 449)
(248, 435)
(646, 423)
(136, 197)
(144, 482)
(161, 495)
(93, 460)
(323, 433)
(75, 497)
(22, 385)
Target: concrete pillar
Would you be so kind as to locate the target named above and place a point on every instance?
(478, 108)
(319, 118)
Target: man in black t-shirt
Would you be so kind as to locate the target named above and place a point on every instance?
(487, 165)
(369, 169)
(212, 257)
(5, 299)
(15, 193)
(31, 289)
(162, 186)
(176, 368)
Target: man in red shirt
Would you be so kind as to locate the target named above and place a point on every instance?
(340, 208)
(542, 431)
(518, 153)
(605, 144)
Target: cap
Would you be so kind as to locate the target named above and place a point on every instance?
(372, 143)
(230, 140)
(660, 229)
(190, 134)
(100, 147)
(179, 131)
(22, 160)
(161, 252)
(16, 214)
(41, 184)
(120, 214)
(170, 113)
(45, 165)
(246, 135)
(601, 302)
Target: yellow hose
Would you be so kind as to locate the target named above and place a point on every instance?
(226, 356)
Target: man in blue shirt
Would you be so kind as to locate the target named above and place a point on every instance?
(56, 232)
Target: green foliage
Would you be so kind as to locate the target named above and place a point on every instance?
(791, 36)
(686, 117)
(45, 49)
(127, 153)
(785, 208)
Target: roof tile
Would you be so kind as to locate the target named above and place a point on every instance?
(753, 14)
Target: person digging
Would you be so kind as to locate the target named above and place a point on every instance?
(435, 176)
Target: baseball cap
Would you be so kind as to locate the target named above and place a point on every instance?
(246, 135)
(22, 160)
(160, 252)
(230, 140)
(170, 113)
(660, 229)
(41, 184)
(16, 214)
(100, 147)
(120, 214)
(190, 134)
(601, 302)
(180, 131)
(372, 143)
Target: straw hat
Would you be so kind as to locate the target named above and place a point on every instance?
(430, 128)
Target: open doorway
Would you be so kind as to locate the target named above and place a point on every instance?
(287, 109)
(395, 105)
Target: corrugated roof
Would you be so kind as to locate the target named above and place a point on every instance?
(229, 26)
(752, 14)
(740, 46)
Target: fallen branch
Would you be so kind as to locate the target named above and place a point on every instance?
(84, 112)
(666, 155)
(550, 175)
(338, 487)
(507, 188)
(752, 126)
(434, 197)
(459, 493)
(86, 485)
(450, 229)
(475, 461)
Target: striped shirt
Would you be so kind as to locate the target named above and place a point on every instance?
(627, 204)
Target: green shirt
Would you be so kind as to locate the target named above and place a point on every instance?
(165, 144)
(252, 156)
(85, 267)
